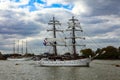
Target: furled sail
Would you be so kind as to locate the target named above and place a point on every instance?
(55, 39)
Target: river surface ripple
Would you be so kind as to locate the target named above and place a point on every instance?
(30, 70)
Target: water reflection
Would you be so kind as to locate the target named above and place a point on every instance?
(62, 73)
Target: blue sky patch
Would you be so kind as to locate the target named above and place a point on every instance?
(15, 0)
(40, 1)
(68, 7)
(60, 6)
(32, 7)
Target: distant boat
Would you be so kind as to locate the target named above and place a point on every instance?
(76, 60)
(17, 56)
(20, 59)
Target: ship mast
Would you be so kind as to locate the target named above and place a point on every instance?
(18, 48)
(73, 23)
(14, 47)
(22, 47)
(54, 23)
(26, 48)
(73, 36)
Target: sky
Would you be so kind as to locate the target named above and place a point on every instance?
(28, 20)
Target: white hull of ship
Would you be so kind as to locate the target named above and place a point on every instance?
(70, 63)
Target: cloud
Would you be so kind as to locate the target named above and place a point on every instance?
(104, 7)
(27, 19)
(80, 8)
(19, 23)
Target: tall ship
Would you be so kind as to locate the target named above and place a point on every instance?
(67, 60)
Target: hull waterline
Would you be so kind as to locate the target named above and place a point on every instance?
(67, 63)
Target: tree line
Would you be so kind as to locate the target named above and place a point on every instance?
(110, 52)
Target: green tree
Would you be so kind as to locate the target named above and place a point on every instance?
(119, 53)
(98, 51)
(87, 52)
(110, 53)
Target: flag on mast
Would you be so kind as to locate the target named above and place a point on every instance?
(45, 42)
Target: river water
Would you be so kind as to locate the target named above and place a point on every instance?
(30, 70)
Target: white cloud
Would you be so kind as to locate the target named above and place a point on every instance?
(50, 2)
(39, 6)
(5, 5)
(80, 8)
(24, 2)
(112, 19)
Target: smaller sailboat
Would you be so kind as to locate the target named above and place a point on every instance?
(75, 59)
(19, 57)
